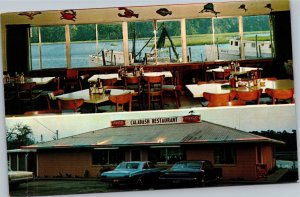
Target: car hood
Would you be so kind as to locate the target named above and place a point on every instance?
(19, 174)
(182, 170)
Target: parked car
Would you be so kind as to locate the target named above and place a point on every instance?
(134, 173)
(17, 177)
(192, 172)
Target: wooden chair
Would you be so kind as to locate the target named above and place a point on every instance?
(121, 100)
(70, 104)
(154, 90)
(26, 95)
(221, 75)
(218, 98)
(278, 95)
(248, 96)
(229, 103)
(72, 80)
(109, 82)
(51, 101)
(134, 83)
(41, 112)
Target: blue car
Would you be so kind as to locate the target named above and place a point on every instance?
(134, 173)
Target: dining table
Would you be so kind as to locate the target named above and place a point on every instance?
(93, 98)
(218, 88)
(237, 71)
(94, 78)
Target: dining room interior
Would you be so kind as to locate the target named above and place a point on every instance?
(47, 74)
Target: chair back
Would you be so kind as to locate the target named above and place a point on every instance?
(281, 94)
(25, 89)
(51, 99)
(41, 112)
(70, 104)
(214, 97)
(230, 103)
(122, 99)
(71, 74)
(154, 89)
(109, 82)
(253, 95)
(223, 75)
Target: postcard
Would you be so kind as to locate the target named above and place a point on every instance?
(147, 98)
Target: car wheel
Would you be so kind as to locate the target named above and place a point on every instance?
(202, 183)
(140, 182)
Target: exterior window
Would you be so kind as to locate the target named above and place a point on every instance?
(48, 48)
(166, 155)
(104, 157)
(258, 153)
(199, 38)
(257, 30)
(140, 34)
(83, 45)
(225, 155)
(135, 155)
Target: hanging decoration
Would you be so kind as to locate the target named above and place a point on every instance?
(30, 15)
(127, 13)
(269, 6)
(243, 7)
(209, 8)
(68, 15)
(164, 12)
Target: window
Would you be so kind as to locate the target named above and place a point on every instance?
(257, 31)
(48, 48)
(199, 38)
(83, 44)
(140, 35)
(135, 155)
(166, 155)
(225, 155)
(104, 157)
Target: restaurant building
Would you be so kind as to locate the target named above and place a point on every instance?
(164, 141)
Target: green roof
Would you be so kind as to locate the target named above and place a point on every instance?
(156, 135)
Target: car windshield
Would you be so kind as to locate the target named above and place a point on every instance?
(128, 166)
(193, 165)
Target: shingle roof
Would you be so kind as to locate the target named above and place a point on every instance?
(171, 134)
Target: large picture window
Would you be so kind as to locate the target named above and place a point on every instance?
(225, 155)
(151, 42)
(107, 156)
(48, 47)
(166, 155)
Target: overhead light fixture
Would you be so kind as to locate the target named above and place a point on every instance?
(269, 6)
(209, 8)
(243, 7)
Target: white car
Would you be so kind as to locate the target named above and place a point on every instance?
(17, 177)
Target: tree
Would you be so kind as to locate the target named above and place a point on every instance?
(19, 135)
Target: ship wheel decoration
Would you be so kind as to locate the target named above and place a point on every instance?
(127, 13)
(209, 8)
(163, 12)
(269, 6)
(243, 7)
(30, 15)
(68, 15)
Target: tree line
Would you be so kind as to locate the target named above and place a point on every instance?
(86, 32)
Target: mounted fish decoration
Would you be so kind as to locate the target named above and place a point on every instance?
(269, 6)
(68, 15)
(243, 7)
(163, 12)
(127, 13)
(30, 15)
(209, 8)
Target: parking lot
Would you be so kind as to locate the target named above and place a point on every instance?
(65, 187)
